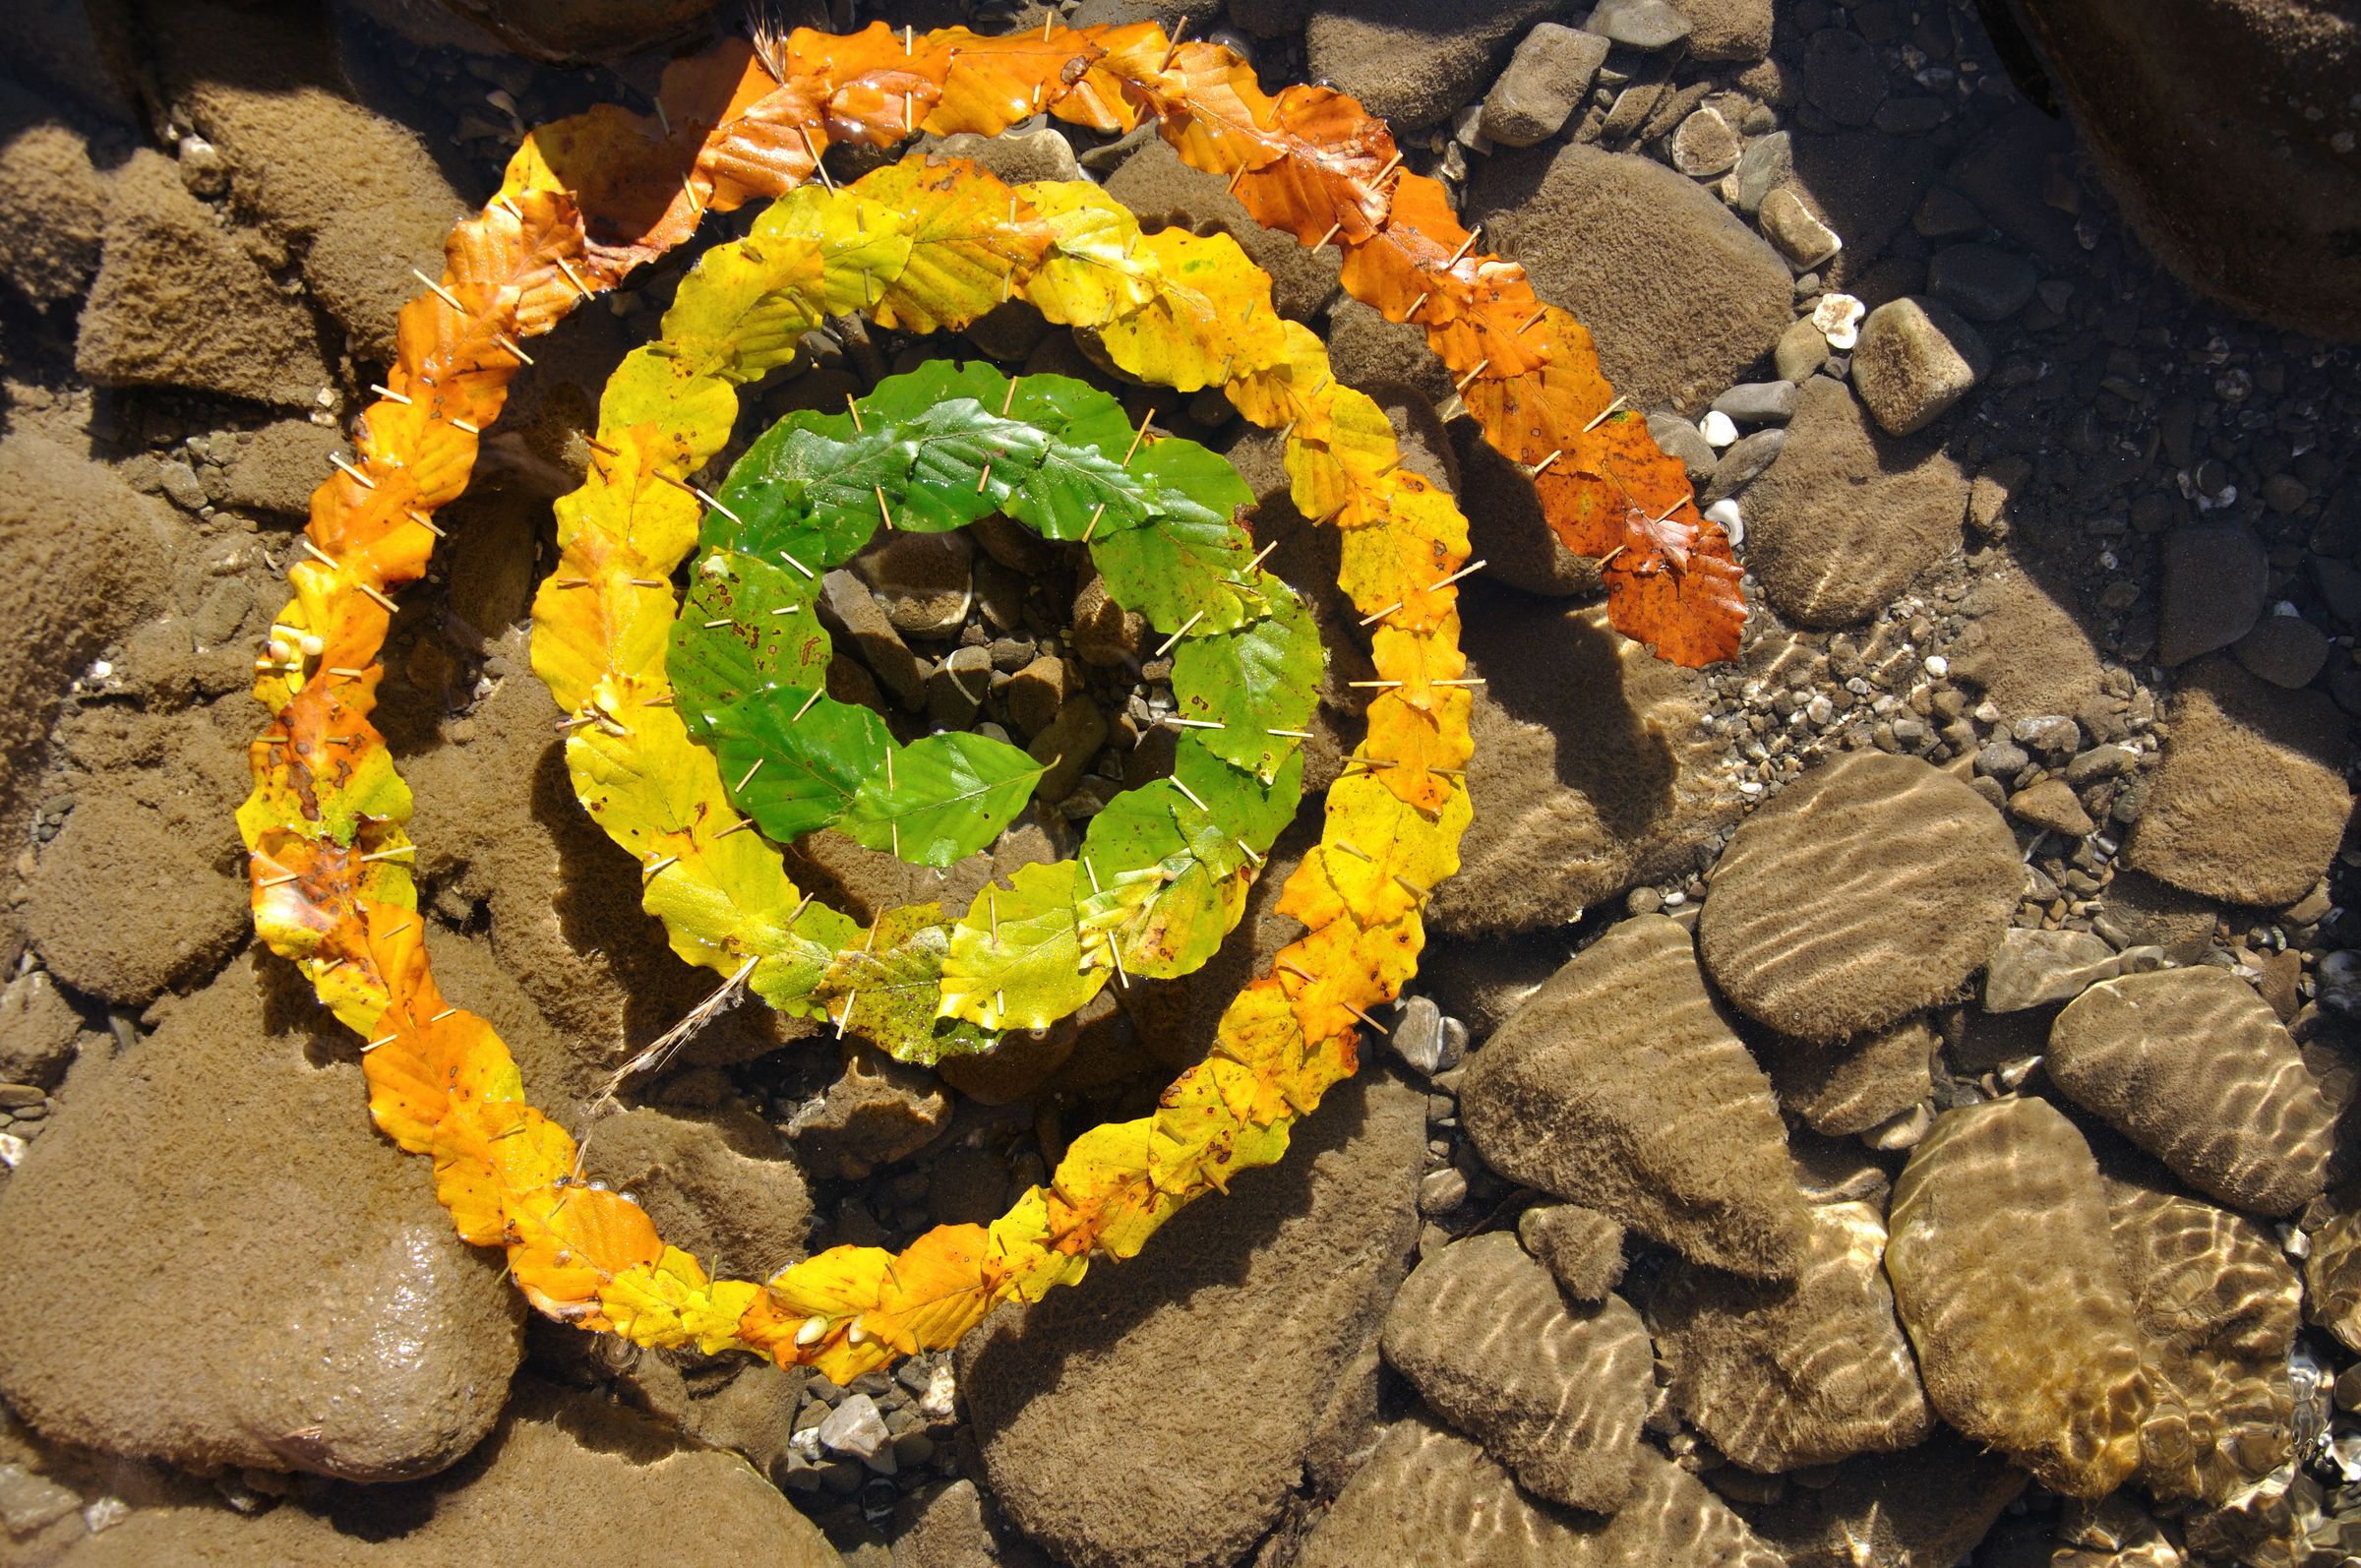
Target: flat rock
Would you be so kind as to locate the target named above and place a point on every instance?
(1642, 24)
(2195, 1068)
(1926, 1507)
(1595, 230)
(1783, 1376)
(1728, 30)
(127, 902)
(40, 1030)
(1983, 282)
(2250, 801)
(1854, 1085)
(2024, 647)
(1842, 76)
(1556, 1394)
(2284, 649)
(179, 302)
(2333, 1272)
(2033, 967)
(2005, 1275)
(1367, 350)
(277, 466)
(2219, 1306)
(1801, 238)
(922, 579)
(2216, 575)
(1429, 1498)
(1842, 521)
(327, 1317)
(720, 1188)
(1394, 57)
(1592, 771)
(86, 554)
(1209, 1359)
(1161, 191)
(561, 1469)
(1865, 891)
(1916, 358)
(1582, 1248)
(1620, 1086)
(355, 195)
(1543, 81)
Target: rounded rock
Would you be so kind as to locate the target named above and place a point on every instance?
(1916, 359)
(1866, 891)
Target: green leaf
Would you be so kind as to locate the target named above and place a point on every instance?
(792, 774)
(768, 638)
(943, 798)
(1016, 958)
(1263, 676)
(1236, 800)
(1188, 560)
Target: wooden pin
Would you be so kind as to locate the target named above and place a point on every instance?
(599, 447)
(384, 603)
(1537, 471)
(885, 512)
(1354, 850)
(395, 853)
(799, 565)
(648, 583)
(374, 1044)
(1608, 558)
(1291, 735)
(509, 343)
(853, 408)
(352, 473)
(573, 278)
(1237, 175)
(1331, 234)
(1412, 314)
(1284, 966)
(787, 609)
(1092, 526)
(982, 479)
(390, 393)
(1464, 246)
(1379, 615)
(1167, 646)
(1469, 680)
(1377, 686)
(1178, 722)
(1247, 850)
(813, 152)
(441, 293)
(658, 865)
(1174, 47)
(1469, 570)
(426, 523)
(716, 505)
(346, 671)
(501, 202)
(1260, 555)
(816, 694)
(1193, 798)
(1366, 1018)
(1532, 321)
(1602, 416)
(280, 881)
(1389, 166)
(1461, 385)
(1412, 889)
(445, 1013)
(711, 626)
(850, 997)
(739, 827)
(697, 209)
(468, 426)
(1138, 436)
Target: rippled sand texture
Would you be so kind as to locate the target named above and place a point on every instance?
(1925, 1507)
(2004, 1274)
(1866, 891)
(2218, 1306)
(1854, 1085)
(1784, 1376)
(1620, 1086)
(1429, 1498)
(2193, 1067)
(1556, 1395)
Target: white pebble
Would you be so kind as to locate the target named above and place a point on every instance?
(1717, 429)
(1725, 512)
(1937, 666)
(1838, 318)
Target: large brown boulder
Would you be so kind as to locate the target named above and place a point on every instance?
(2227, 128)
